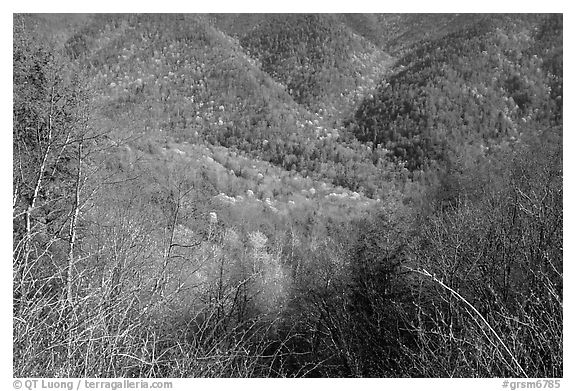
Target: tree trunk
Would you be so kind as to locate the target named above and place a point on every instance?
(71, 260)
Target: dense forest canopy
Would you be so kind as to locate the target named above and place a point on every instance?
(288, 195)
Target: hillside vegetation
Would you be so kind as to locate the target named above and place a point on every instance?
(474, 89)
(287, 195)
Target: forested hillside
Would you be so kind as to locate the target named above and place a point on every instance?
(287, 195)
(474, 89)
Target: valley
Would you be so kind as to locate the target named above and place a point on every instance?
(291, 195)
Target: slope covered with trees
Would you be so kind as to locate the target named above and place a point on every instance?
(200, 84)
(469, 91)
